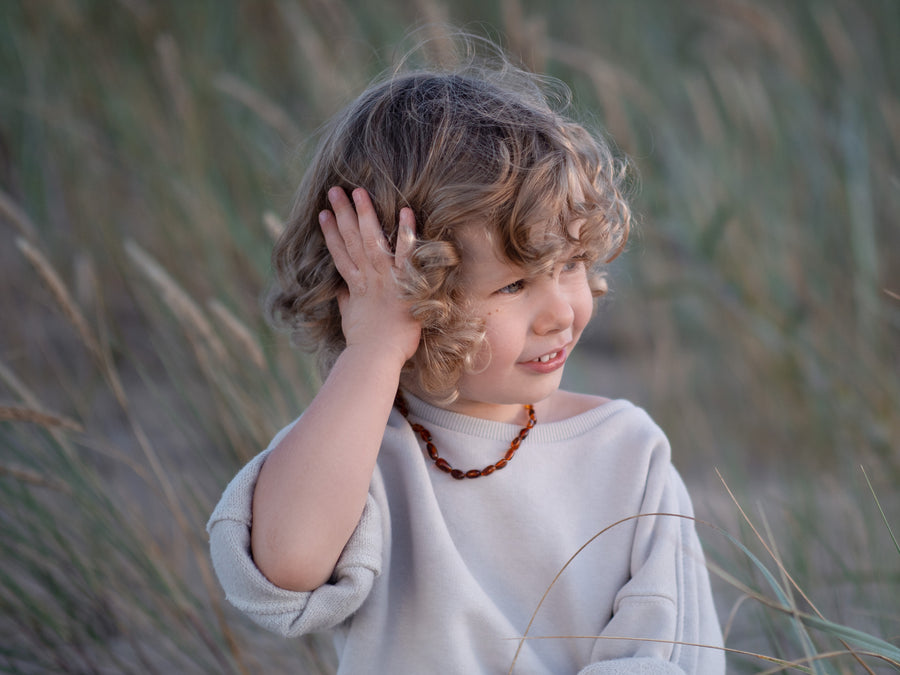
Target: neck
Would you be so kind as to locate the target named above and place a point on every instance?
(508, 413)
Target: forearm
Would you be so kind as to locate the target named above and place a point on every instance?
(312, 489)
(313, 486)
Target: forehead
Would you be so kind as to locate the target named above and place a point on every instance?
(481, 260)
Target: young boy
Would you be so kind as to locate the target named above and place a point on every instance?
(443, 257)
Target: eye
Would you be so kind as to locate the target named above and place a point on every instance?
(574, 263)
(513, 288)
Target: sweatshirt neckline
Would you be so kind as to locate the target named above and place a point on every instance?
(543, 432)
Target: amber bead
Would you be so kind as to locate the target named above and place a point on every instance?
(432, 451)
(444, 465)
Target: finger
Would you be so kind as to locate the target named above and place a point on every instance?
(337, 248)
(374, 243)
(347, 225)
(406, 236)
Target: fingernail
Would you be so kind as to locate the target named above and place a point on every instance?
(323, 216)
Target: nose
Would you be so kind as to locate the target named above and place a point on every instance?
(553, 312)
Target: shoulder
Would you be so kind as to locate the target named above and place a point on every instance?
(611, 425)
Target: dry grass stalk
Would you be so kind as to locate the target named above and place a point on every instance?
(267, 110)
(31, 401)
(612, 86)
(838, 42)
(14, 214)
(526, 35)
(238, 412)
(603, 72)
(199, 553)
(525, 636)
(170, 61)
(88, 286)
(329, 86)
(729, 83)
(890, 111)
(766, 26)
(85, 281)
(790, 585)
(757, 107)
(176, 298)
(193, 319)
(111, 451)
(239, 331)
(435, 22)
(39, 417)
(11, 380)
(273, 224)
(61, 294)
(704, 108)
(33, 478)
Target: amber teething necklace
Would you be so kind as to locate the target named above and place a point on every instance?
(444, 465)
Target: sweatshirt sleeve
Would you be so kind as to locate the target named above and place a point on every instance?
(292, 613)
(666, 607)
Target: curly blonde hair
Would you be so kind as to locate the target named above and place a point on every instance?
(476, 145)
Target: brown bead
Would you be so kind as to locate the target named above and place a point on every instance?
(444, 465)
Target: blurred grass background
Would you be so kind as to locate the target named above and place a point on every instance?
(148, 151)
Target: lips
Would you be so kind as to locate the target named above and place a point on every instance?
(547, 363)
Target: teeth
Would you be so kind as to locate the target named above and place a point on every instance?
(546, 357)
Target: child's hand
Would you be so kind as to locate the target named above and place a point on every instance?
(373, 314)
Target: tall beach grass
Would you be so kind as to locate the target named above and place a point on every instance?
(148, 152)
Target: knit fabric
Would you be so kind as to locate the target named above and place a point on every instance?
(444, 576)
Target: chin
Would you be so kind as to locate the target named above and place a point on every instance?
(535, 394)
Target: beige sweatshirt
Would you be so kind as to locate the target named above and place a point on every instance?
(444, 576)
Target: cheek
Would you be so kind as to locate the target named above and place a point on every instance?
(482, 357)
(502, 338)
(583, 307)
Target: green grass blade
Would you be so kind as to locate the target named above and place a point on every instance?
(880, 510)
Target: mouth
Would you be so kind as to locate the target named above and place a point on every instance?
(547, 363)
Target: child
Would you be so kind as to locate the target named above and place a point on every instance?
(443, 257)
